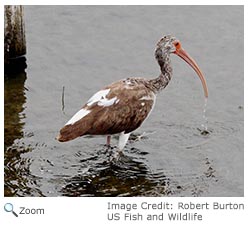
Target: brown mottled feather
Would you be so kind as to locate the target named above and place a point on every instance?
(125, 115)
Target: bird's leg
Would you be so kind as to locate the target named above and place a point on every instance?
(123, 138)
(108, 145)
(108, 140)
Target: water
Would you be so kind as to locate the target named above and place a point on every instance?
(85, 48)
(205, 124)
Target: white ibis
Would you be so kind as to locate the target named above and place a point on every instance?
(122, 106)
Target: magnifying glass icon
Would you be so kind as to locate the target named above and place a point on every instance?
(8, 207)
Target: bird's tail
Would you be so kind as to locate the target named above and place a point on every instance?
(61, 138)
(70, 132)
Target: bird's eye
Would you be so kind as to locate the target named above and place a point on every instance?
(177, 45)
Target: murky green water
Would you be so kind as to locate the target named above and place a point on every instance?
(85, 48)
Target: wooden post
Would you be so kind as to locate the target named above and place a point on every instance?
(14, 40)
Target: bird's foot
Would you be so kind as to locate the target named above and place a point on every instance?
(116, 156)
(108, 150)
(108, 146)
(138, 137)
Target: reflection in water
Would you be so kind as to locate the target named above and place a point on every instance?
(14, 99)
(18, 179)
(16, 171)
(124, 177)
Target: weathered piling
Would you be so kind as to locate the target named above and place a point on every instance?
(14, 40)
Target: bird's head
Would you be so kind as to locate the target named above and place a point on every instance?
(165, 46)
(169, 44)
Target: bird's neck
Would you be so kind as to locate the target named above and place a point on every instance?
(159, 83)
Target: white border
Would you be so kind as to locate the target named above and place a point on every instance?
(91, 211)
(124, 2)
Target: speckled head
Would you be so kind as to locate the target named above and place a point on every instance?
(169, 44)
(166, 45)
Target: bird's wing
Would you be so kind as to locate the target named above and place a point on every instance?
(121, 106)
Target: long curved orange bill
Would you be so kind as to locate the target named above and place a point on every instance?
(184, 55)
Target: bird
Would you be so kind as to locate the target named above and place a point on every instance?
(122, 107)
